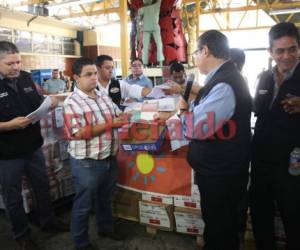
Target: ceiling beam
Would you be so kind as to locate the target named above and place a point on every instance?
(28, 2)
(90, 13)
(264, 6)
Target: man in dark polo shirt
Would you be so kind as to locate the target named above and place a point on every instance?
(276, 134)
(20, 147)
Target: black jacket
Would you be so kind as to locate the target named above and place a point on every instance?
(17, 143)
(276, 132)
(230, 156)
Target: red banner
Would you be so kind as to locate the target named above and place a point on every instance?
(163, 172)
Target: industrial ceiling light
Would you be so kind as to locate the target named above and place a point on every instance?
(284, 11)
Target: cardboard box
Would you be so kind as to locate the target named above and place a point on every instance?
(189, 221)
(165, 199)
(192, 201)
(125, 204)
(157, 215)
(143, 137)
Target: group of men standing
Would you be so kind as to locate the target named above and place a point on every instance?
(221, 164)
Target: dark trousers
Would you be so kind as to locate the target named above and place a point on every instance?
(11, 172)
(270, 185)
(220, 198)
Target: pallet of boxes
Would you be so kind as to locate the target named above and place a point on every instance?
(187, 215)
(55, 152)
(158, 211)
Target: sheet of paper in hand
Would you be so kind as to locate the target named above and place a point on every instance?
(42, 110)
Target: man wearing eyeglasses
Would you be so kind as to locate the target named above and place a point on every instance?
(115, 89)
(137, 77)
(276, 134)
(218, 126)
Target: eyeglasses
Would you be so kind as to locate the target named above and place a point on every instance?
(196, 52)
(136, 65)
(89, 74)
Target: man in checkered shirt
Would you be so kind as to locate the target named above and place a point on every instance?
(91, 122)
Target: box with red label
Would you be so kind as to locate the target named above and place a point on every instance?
(188, 221)
(157, 215)
(159, 198)
(192, 201)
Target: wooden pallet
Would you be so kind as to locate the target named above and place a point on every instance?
(153, 231)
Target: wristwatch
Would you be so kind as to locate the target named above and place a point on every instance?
(181, 111)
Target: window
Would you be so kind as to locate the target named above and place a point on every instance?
(69, 47)
(40, 43)
(55, 45)
(5, 34)
(23, 41)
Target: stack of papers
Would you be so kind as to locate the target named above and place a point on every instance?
(164, 104)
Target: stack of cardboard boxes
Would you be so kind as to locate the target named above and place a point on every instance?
(164, 212)
(56, 155)
(188, 214)
(157, 211)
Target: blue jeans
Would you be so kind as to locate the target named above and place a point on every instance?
(11, 172)
(94, 182)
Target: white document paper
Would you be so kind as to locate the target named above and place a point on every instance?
(164, 104)
(148, 116)
(59, 117)
(156, 93)
(42, 111)
(176, 143)
(163, 86)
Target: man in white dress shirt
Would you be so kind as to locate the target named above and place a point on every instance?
(115, 89)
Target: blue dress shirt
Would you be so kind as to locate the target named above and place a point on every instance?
(142, 81)
(220, 101)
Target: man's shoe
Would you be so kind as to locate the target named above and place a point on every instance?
(56, 227)
(88, 247)
(26, 243)
(112, 235)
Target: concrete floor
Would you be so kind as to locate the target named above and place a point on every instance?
(137, 238)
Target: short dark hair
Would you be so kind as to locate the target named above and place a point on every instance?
(100, 59)
(80, 63)
(238, 57)
(8, 48)
(177, 67)
(216, 42)
(137, 59)
(283, 29)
